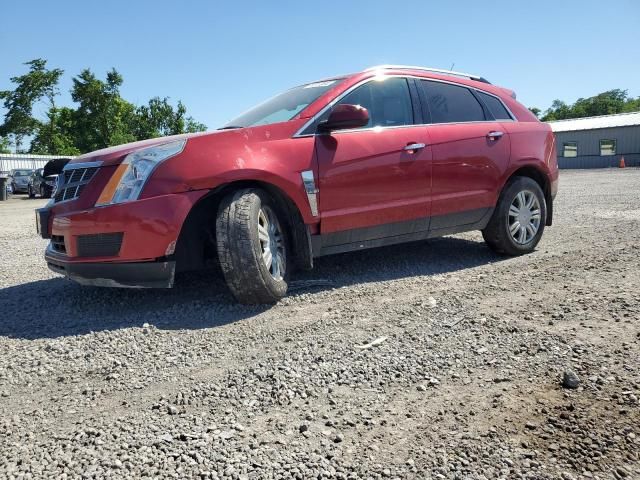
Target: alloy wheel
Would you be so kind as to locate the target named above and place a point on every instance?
(524, 217)
(271, 243)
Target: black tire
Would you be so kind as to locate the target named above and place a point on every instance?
(240, 250)
(30, 192)
(45, 192)
(497, 232)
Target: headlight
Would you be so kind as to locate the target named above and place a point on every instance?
(129, 178)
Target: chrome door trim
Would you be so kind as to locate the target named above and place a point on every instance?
(311, 190)
(299, 133)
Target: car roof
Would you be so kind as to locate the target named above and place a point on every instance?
(439, 71)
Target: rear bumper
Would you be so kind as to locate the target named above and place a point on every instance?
(156, 274)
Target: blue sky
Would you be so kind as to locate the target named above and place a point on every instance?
(220, 58)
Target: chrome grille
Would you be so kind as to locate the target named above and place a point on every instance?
(73, 183)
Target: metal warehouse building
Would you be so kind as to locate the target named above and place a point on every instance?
(9, 161)
(598, 142)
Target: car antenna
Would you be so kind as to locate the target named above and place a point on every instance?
(452, 65)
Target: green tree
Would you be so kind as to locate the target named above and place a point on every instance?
(160, 118)
(103, 118)
(605, 103)
(37, 84)
(57, 136)
(535, 111)
(4, 145)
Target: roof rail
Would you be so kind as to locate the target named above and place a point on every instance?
(429, 69)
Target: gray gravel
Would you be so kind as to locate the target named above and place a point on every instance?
(433, 360)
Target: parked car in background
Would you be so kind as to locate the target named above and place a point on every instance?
(388, 155)
(40, 185)
(19, 179)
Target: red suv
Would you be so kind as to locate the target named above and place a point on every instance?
(388, 155)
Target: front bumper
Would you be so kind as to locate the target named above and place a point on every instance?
(124, 245)
(156, 274)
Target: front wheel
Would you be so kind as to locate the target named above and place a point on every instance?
(518, 221)
(252, 247)
(30, 192)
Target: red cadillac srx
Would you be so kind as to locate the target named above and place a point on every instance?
(388, 155)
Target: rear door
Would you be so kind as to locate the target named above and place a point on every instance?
(372, 184)
(470, 153)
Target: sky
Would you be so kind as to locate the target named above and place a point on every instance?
(220, 58)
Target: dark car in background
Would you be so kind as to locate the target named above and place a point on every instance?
(41, 185)
(19, 179)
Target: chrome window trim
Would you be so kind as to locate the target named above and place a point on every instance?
(329, 105)
(73, 166)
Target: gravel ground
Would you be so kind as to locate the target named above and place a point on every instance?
(431, 360)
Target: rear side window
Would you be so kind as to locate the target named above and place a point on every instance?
(495, 106)
(451, 103)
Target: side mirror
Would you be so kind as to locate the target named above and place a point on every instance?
(345, 116)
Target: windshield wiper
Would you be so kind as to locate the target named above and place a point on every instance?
(229, 127)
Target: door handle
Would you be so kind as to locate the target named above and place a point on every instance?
(494, 135)
(412, 147)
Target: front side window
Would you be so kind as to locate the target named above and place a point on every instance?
(387, 100)
(451, 103)
(283, 107)
(570, 149)
(607, 148)
(495, 106)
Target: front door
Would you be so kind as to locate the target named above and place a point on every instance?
(375, 181)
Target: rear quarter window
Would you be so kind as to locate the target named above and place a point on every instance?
(495, 106)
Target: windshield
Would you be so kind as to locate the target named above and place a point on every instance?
(21, 173)
(284, 106)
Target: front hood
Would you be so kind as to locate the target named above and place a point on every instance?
(115, 155)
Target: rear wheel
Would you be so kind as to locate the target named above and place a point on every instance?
(518, 221)
(252, 247)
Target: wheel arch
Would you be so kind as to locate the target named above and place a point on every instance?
(541, 179)
(195, 247)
